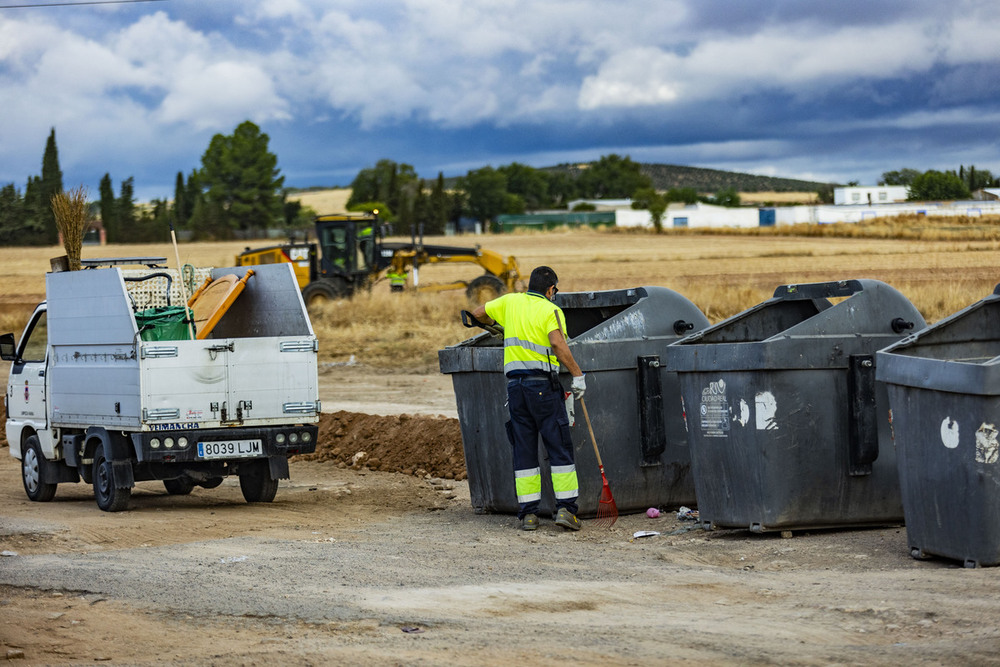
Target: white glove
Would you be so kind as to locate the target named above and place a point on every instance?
(579, 386)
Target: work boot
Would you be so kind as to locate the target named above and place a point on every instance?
(567, 519)
(529, 522)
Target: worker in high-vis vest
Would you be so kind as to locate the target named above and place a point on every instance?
(533, 347)
(397, 280)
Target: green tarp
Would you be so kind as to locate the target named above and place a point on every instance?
(167, 323)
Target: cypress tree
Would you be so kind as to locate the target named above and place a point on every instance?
(51, 185)
(438, 206)
(109, 216)
(125, 210)
(180, 201)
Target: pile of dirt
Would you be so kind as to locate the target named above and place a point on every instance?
(409, 444)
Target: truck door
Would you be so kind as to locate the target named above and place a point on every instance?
(26, 398)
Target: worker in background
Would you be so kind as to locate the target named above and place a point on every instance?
(534, 346)
(397, 280)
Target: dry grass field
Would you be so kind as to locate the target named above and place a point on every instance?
(324, 201)
(721, 273)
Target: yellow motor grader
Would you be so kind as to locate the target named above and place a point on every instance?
(350, 254)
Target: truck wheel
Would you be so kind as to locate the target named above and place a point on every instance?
(32, 468)
(180, 486)
(320, 292)
(484, 288)
(256, 483)
(109, 498)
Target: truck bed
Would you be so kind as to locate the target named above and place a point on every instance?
(258, 367)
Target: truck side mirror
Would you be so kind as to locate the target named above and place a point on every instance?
(7, 347)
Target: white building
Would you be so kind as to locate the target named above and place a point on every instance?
(870, 195)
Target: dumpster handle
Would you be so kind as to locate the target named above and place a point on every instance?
(899, 325)
(680, 326)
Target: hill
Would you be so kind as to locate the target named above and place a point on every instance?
(668, 176)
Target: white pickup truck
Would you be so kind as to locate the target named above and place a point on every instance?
(98, 393)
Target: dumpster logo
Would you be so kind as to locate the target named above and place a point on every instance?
(714, 410)
(949, 433)
(987, 446)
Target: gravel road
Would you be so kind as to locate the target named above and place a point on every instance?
(365, 567)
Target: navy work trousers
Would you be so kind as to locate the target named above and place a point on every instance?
(537, 408)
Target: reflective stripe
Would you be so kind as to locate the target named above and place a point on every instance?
(526, 366)
(544, 350)
(527, 318)
(564, 482)
(528, 485)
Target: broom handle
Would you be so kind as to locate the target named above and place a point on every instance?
(184, 294)
(591, 429)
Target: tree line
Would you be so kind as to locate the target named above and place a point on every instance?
(936, 185)
(239, 190)
(409, 202)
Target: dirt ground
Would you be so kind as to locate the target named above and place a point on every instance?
(372, 554)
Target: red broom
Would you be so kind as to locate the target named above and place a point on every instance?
(607, 511)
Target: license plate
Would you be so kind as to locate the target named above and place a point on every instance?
(229, 449)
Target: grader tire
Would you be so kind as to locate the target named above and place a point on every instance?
(483, 289)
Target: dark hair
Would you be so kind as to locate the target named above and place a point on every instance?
(542, 278)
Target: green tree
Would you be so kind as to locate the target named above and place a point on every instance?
(108, 206)
(937, 185)
(394, 183)
(486, 193)
(51, 185)
(16, 226)
(976, 179)
(654, 202)
(180, 208)
(904, 176)
(683, 195)
(438, 206)
(613, 177)
(562, 188)
(825, 194)
(240, 177)
(125, 213)
(529, 183)
(727, 197)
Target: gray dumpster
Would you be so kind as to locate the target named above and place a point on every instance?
(788, 429)
(944, 391)
(616, 336)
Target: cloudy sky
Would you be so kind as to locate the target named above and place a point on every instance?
(821, 90)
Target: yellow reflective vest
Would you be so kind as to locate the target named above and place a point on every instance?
(527, 319)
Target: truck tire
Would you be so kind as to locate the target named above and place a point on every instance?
(256, 482)
(109, 498)
(33, 472)
(484, 288)
(320, 292)
(179, 486)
